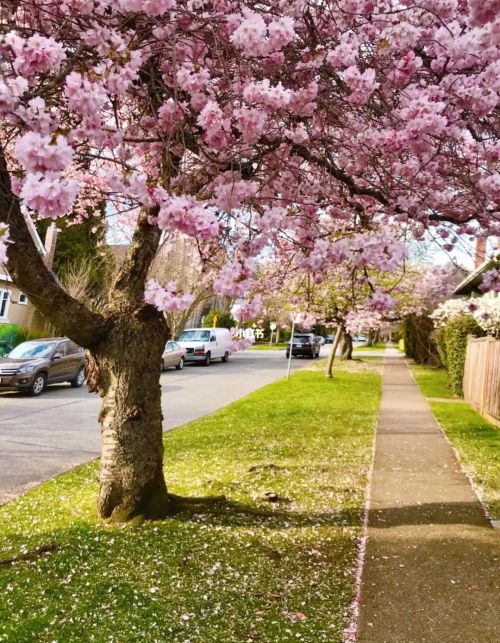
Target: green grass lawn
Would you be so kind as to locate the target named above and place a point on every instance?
(433, 382)
(377, 346)
(249, 570)
(476, 440)
(265, 347)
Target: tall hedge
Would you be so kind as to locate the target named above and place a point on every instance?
(453, 344)
(419, 340)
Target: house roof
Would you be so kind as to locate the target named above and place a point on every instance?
(473, 280)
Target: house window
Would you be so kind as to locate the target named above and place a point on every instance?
(22, 299)
(4, 303)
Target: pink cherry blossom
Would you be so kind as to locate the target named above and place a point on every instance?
(362, 85)
(39, 153)
(49, 194)
(37, 54)
(166, 299)
(84, 96)
(249, 309)
(491, 281)
(187, 215)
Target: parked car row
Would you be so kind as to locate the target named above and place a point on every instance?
(34, 364)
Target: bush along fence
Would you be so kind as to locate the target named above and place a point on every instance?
(482, 376)
(11, 335)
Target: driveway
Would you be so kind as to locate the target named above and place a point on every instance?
(43, 436)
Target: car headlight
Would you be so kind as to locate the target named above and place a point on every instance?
(26, 369)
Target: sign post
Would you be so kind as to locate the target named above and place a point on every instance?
(272, 327)
(290, 350)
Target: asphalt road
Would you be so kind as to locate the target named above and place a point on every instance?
(43, 436)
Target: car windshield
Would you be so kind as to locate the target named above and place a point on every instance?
(195, 336)
(32, 350)
(301, 339)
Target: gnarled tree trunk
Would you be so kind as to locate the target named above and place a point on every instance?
(331, 357)
(124, 343)
(125, 370)
(346, 346)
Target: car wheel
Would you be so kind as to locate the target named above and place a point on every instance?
(226, 357)
(207, 360)
(38, 384)
(180, 365)
(287, 354)
(78, 381)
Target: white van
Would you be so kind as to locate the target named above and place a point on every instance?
(206, 344)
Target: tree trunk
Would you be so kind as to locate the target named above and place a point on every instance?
(331, 357)
(125, 370)
(346, 350)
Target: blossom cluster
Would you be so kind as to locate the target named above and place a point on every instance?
(249, 309)
(166, 299)
(485, 310)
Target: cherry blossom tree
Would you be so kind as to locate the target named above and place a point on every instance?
(297, 126)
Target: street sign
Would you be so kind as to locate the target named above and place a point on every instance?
(272, 326)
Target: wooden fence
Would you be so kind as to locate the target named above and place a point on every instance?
(482, 375)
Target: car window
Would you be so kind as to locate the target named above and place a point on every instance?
(62, 348)
(32, 350)
(176, 346)
(169, 346)
(72, 348)
(195, 336)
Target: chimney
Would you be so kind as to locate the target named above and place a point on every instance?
(480, 256)
(50, 244)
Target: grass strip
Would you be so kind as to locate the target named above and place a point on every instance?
(433, 382)
(478, 443)
(377, 346)
(265, 347)
(250, 571)
(476, 440)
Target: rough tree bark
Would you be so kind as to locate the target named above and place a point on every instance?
(346, 346)
(124, 345)
(331, 357)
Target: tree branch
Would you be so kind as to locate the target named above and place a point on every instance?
(29, 272)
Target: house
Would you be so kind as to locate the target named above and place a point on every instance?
(470, 285)
(15, 307)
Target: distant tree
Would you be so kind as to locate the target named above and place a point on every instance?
(218, 319)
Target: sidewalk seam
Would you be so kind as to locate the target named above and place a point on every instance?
(351, 631)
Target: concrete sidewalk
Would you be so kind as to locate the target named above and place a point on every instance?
(432, 565)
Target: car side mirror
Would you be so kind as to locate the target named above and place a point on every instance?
(57, 356)
(213, 338)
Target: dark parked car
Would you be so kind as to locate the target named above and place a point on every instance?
(306, 345)
(329, 339)
(32, 365)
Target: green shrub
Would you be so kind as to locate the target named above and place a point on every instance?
(419, 340)
(11, 335)
(441, 346)
(222, 320)
(8, 335)
(455, 344)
